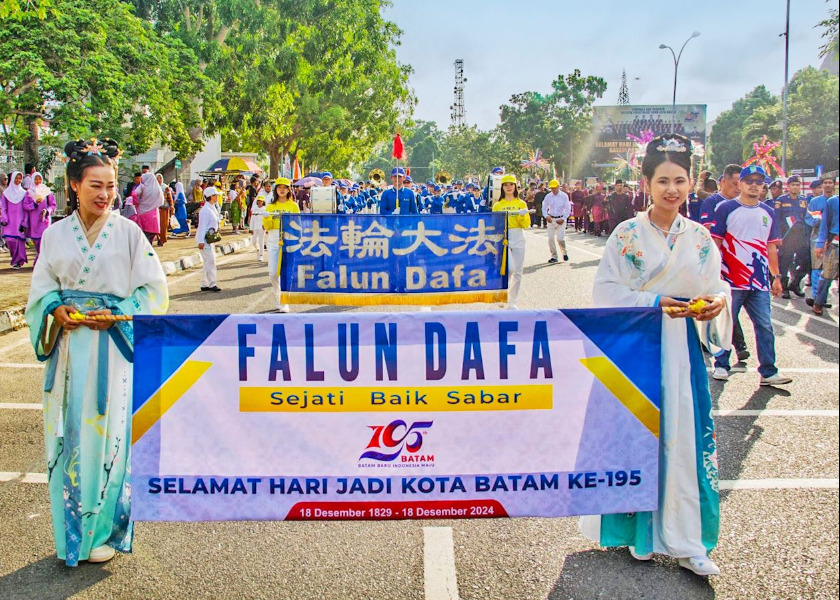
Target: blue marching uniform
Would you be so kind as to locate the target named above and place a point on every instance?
(390, 204)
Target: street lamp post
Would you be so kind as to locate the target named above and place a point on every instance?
(677, 57)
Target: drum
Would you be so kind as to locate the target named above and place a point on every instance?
(495, 182)
(322, 200)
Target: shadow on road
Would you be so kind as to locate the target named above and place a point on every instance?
(614, 574)
(50, 579)
(736, 436)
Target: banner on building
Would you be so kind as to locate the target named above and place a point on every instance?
(616, 127)
(395, 416)
(355, 260)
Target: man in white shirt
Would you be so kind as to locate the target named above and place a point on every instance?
(556, 209)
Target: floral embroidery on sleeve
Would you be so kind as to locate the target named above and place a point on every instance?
(626, 238)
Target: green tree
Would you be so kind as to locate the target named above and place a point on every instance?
(336, 87)
(813, 116)
(215, 31)
(556, 123)
(726, 142)
(831, 25)
(95, 68)
(468, 152)
(17, 9)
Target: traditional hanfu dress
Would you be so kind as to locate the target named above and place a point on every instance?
(14, 221)
(88, 377)
(39, 204)
(639, 265)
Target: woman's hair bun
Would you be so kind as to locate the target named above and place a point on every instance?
(78, 149)
(673, 148)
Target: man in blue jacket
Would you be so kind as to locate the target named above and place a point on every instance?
(398, 199)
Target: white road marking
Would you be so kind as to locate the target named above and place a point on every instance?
(579, 249)
(5, 365)
(23, 477)
(807, 334)
(779, 484)
(810, 315)
(197, 270)
(777, 412)
(260, 300)
(13, 345)
(22, 405)
(754, 371)
(439, 577)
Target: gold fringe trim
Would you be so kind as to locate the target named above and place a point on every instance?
(419, 299)
(503, 270)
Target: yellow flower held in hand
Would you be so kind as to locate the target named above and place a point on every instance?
(697, 306)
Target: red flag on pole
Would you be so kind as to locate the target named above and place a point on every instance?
(399, 149)
(296, 170)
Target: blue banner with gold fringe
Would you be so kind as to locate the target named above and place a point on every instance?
(392, 259)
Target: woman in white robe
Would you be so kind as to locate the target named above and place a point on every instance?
(92, 262)
(660, 258)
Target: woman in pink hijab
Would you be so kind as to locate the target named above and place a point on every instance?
(39, 205)
(149, 198)
(14, 221)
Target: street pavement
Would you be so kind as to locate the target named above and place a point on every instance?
(778, 452)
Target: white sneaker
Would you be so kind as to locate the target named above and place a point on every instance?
(776, 379)
(720, 374)
(647, 556)
(700, 565)
(283, 308)
(101, 554)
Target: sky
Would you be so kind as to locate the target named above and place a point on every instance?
(510, 47)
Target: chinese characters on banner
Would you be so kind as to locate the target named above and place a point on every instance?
(376, 259)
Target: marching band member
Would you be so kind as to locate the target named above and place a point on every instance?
(436, 201)
(284, 202)
(518, 221)
(340, 205)
(466, 204)
(398, 199)
(477, 200)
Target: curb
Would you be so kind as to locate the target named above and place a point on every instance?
(13, 318)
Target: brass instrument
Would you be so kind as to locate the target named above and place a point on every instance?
(377, 176)
(443, 178)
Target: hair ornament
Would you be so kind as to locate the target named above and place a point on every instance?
(671, 145)
(78, 149)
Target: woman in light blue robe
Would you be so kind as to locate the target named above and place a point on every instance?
(94, 262)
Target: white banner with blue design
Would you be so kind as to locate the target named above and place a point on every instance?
(396, 416)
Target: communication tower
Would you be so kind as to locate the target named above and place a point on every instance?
(458, 108)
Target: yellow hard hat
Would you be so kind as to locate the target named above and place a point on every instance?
(553, 183)
(509, 179)
(282, 181)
